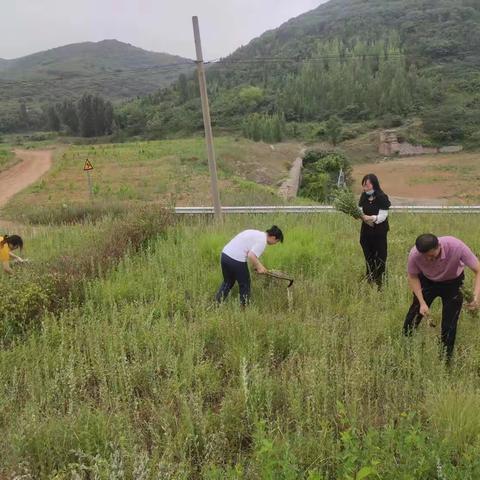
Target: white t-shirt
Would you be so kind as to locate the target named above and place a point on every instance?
(247, 241)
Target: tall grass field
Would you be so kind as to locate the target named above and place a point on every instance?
(147, 379)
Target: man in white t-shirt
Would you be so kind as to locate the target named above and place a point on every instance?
(247, 245)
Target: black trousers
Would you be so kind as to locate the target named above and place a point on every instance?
(374, 248)
(234, 271)
(452, 300)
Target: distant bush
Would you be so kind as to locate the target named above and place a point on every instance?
(268, 128)
(5, 156)
(391, 121)
(446, 124)
(320, 174)
(474, 140)
(70, 214)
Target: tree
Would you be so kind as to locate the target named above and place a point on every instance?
(68, 116)
(108, 118)
(98, 108)
(23, 115)
(86, 116)
(182, 88)
(53, 119)
(333, 129)
(448, 123)
(250, 97)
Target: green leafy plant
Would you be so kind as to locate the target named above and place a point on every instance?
(344, 201)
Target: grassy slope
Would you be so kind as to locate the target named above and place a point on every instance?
(173, 171)
(180, 391)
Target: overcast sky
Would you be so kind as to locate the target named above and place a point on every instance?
(29, 26)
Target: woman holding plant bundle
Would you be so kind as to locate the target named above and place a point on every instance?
(374, 204)
(8, 243)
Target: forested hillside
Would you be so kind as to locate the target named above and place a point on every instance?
(112, 69)
(364, 61)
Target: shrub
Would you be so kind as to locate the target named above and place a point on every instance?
(391, 121)
(446, 124)
(65, 214)
(321, 170)
(269, 128)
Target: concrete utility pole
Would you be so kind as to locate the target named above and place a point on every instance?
(206, 120)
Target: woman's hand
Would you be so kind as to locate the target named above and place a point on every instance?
(368, 219)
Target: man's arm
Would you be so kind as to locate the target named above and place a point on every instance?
(256, 263)
(476, 289)
(416, 288)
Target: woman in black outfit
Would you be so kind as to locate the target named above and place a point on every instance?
(373, 235)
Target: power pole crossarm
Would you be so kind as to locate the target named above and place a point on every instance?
(206, 120)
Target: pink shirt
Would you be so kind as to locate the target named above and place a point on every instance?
(454, 256)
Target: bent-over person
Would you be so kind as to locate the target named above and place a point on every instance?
(436, 269)
(246, 246)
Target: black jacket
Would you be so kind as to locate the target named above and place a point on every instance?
(371, 206)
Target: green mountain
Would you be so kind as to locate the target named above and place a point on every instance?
(109, 68)
(433, 29)
(89, 58)
(377, 61)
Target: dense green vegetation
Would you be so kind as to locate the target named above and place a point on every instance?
(111, 69)
(145, 380)
(268, 128)
(321, 170)
(361, 60)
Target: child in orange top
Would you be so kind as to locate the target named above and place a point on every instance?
(8, 243)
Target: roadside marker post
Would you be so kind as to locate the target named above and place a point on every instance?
(88, 167)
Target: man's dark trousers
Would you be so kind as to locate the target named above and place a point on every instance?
(452, 300)
(234, 271)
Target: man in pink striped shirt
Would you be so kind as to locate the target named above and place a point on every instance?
(436, 269)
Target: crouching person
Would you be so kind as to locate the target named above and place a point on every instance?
(436, 269)
(246, 246)
(9, 243)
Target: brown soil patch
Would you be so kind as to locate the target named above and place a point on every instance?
(427, 179)
(33, 165)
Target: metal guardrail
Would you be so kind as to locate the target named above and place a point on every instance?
(325, 209)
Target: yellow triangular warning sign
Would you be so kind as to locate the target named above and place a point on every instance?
(87, 166)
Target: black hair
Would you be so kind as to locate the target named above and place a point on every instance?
(384, 202)
(275, 232)
(14, 241)
(426, 242)
(373, 180)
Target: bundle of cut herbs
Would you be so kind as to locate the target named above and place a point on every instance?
(344, 201)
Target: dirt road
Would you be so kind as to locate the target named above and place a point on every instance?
(32, 166)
